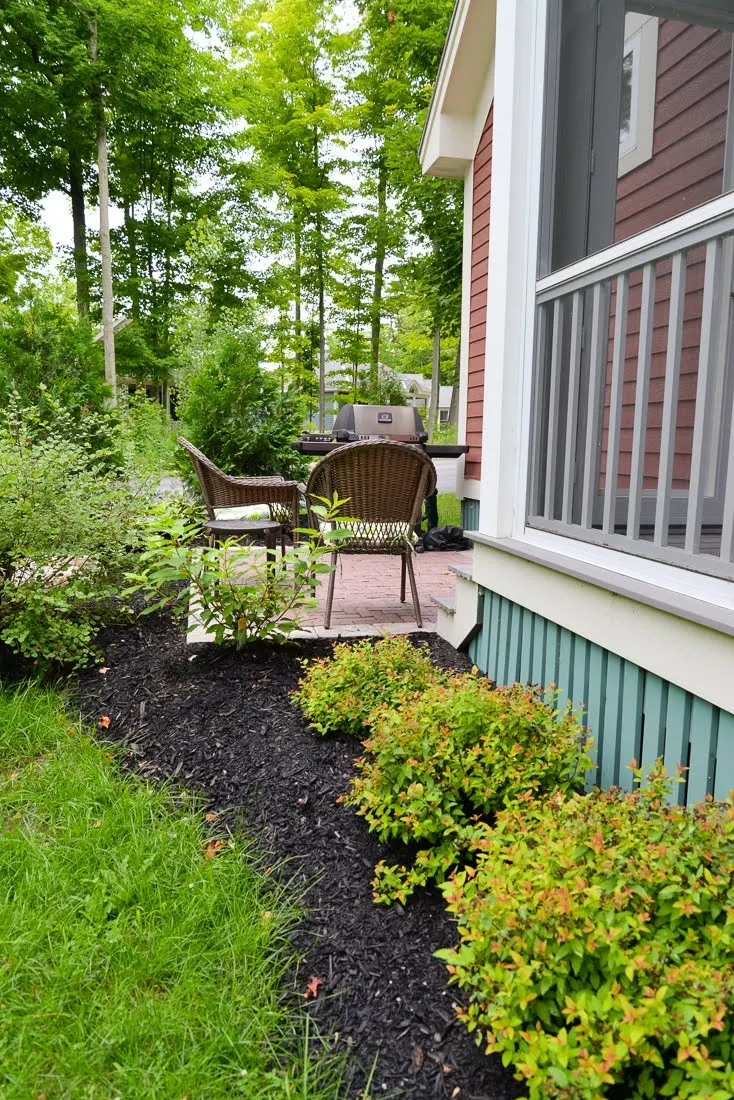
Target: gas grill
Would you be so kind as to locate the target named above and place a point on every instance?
(354, 422)
(397, 422)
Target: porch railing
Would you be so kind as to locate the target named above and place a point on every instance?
(631, 442)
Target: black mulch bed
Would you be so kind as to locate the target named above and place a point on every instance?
(222, 723)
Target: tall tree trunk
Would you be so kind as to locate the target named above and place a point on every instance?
(435, 381)
(322, 333)
(380, 250)
(132, 259)
(108, 302)
(168, 282)
(297, 290)
(454, 406)
(79, 220)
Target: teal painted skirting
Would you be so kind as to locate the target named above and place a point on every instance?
(470, 514)
(631, 713)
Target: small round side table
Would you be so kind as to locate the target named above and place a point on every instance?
(221, 529)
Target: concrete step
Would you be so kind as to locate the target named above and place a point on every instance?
(458, 617)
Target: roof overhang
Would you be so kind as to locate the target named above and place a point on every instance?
(449, 138)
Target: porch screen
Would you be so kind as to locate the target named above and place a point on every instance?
(632, 403)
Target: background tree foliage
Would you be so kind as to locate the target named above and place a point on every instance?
(264, 170)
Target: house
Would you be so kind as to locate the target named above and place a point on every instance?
(596, 145)
(418, 394)
(341, 377)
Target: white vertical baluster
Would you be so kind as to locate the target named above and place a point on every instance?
(615, 404)
(554, 404)
(642, 390)
(701, 434)
(670, 398)
(572, 408)
(597, 364)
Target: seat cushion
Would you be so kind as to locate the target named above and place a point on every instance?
(246, 511)
(377, 537)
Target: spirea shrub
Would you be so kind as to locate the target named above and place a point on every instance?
(337, 694)
(597, 944)
(453, 756)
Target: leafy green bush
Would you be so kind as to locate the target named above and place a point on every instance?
(237, 415)
(234, 591)
(46, 351)
(66, 527)
(597, 938)
(452, 756)
(337, 694)
(147, 437)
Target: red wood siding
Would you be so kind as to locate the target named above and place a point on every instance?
(482, 186)
(685, 170)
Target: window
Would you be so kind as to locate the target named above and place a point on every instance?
(637, 104)
(602, 117)
(443, 416)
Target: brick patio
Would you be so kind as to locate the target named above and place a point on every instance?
(367, 596)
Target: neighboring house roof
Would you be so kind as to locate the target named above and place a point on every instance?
(419, 384)
(463, 90)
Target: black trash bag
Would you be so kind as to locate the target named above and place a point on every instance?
(443, 538)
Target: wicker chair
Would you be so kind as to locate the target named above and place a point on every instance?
(225, 491)
(385, 483)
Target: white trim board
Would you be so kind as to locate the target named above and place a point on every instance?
(695, 657)
(449, 136)
(471, 488)
(518, 105)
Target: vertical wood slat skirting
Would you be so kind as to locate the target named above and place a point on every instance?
(631, 713)
(470, 514)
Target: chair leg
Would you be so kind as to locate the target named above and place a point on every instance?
(402, 577)
(330, 593)
(414, 590)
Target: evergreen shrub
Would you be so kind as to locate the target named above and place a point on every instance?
(235, 412)
(597, 944)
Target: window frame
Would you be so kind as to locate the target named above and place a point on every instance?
(640, 39)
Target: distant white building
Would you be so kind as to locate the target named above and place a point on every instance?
(418, 394)
(416, 388)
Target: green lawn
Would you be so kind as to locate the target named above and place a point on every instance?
(131, 965)
(449, 510)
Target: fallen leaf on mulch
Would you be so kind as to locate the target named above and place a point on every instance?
(103, 671)
(312, 989)
(212, 848)
(211, 817)
(104, 721)
(418, 1058)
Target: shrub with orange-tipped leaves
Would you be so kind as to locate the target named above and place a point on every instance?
(449, 759)
(337, 694)
(597, 944)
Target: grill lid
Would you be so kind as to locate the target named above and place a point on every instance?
(389, 421)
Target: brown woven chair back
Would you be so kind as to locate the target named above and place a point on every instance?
(385, 482)
(222, 490)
